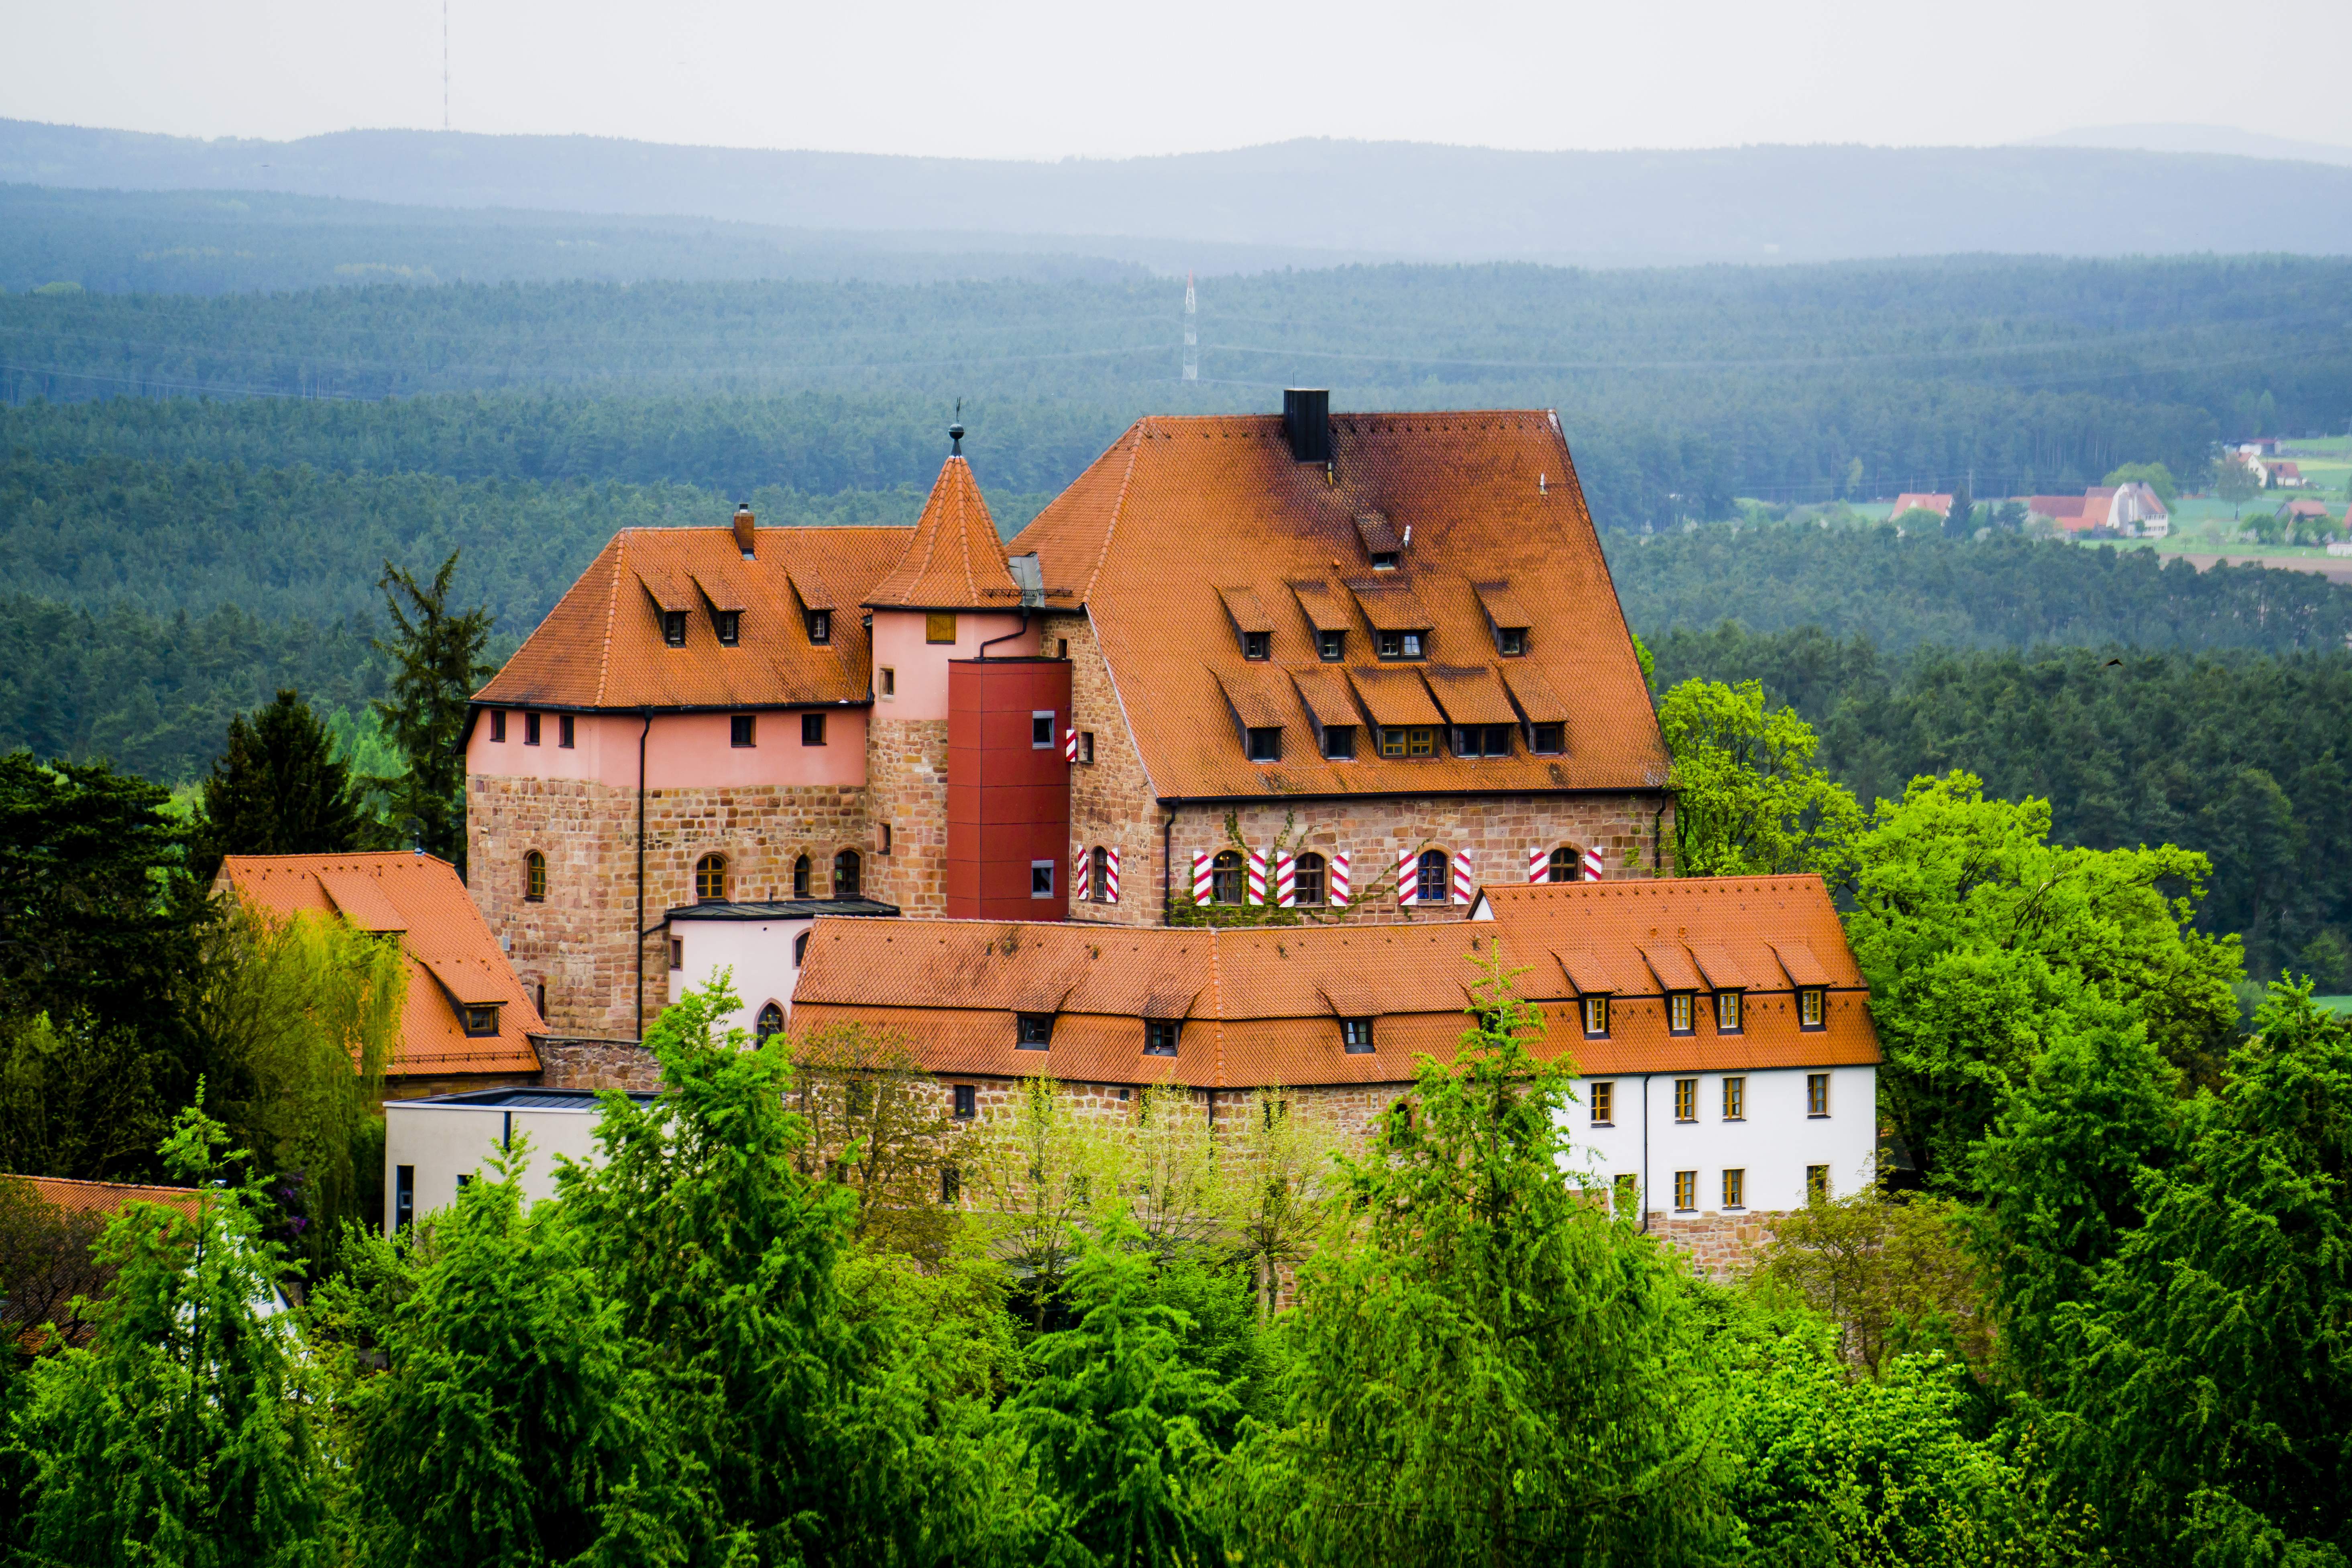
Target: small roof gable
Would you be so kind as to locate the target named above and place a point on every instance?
(454, 961)
(955, 560)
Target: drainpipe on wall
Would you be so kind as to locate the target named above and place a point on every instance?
(648, 715)
(1007, 637)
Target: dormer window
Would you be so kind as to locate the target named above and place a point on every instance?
(1384, 560)
(1160, 1036)
(1809, 1007)
(1596, 1017)
(820, 627)
(1265, 745)
(1678, 1012)
(674, 627)
(1511, 642)
(1339, 742)
(728, 623)
(1411, 741)
(1399, 645)
(1257, 644)
(482, 1019)
(1548, 740)
(1331, 647)
(1356, 1037)
(1727, 1012)
(1033, 1031)
(1482, 740)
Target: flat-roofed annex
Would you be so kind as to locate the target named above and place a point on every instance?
(1185, 518)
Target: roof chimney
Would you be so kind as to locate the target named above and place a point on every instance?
(1306, 420)
(744, 528)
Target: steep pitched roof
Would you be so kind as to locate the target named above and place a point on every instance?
(453, 959)
(1156, 537)
(602, 645)
(955, 559)
(1261, 1007)
(1941, 505)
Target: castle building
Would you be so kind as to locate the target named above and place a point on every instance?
(1358, 662)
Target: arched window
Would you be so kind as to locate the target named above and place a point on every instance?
(846, 868)
(1307, 879)
(799, 949)
(1226, 877)
(1428, 883)
(1565, 865)
(1098, 875)
(534, 878)
(801, 877)
(772, 1020)
(710, 879)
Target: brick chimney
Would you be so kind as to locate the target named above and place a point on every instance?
(743, 534)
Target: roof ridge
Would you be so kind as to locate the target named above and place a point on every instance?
(612, 613)
(1138, 432)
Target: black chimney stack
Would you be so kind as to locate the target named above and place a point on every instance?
(1306, 420)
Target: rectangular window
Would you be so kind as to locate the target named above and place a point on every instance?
(1685, 1191)
(1628, 1194)
(678, 953)
(1422, 742)
(674, 627)
(967, 1101)
(530, 729)
(1596, 1017)
(1339, 742)
(1817, 1183)
(1265, 745)
(1727, 1012)
(888, 681)
(881, 839)
(1257, 644)
(1160, 1036)
(1687, 1099)
(1817, 1094)
(742, 728)
(820, 625)
(1678, 1013)
(498, 723)
(482, 1020)
(1809, 1007)
(812, 729)
(1062, 647)
(1393, 742)
(564, 730)
(1399, 644)
(1356, 1037)
(728, 624)
(1085, 746)
(1482, 740)
(1331, 647)
(1735, 1189)
(1041, 878)
(1035, 1031)
(403, 1196)
(939, 627)
(951, 1183)
(1040, 730)
(1511, 641)
(1548, 740)
(1735, 1099)
(1604, 1102)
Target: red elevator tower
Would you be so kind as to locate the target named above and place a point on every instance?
(1008, 789)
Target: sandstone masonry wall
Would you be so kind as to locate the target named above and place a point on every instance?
(1112, 802)
(582, 1063)
(907, 774)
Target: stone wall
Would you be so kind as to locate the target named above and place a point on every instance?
(581, 940)
(1112, 802)
(579, 1062)
(907, 774)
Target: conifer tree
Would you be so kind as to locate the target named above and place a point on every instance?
(279, 789)
(436, 654)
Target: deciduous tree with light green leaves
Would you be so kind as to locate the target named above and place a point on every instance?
(1485, 1366)
(1747, 799)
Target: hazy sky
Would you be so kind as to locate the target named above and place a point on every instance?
(1051, 79)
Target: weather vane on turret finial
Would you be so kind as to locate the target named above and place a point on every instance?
(955, 431)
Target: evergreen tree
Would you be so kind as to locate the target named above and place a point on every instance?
(184, 1434)
(279, 789)
(436, 653)
(1960, 522)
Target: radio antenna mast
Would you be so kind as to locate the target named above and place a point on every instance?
(1192, 329)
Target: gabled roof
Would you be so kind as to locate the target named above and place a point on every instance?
(1153, 536)
(1941, 505)
(602, 645)
(453, 959)
(1261, 1006)
(955, 559)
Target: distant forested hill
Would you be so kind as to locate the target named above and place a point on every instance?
(1678, 389)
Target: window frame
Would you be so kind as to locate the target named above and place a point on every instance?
(1440, 862)
(1338, 743)
(1735, 1097)
(1257, 647)
(966, 1101)
(481, 1020)
(1511, 642)
(1817, 1096)
(1595, 1010)
(1331, 647)
(886, 682)
(1564, 859)
(1401, 647)
(1224, 864)
(1812, 1007)
(1359, 1037)
(803, 878)
(1682, 1013)
(498, 725)
(673, 629)
(744, 730)
(727, 626)
(938, 621)
(1033, 1031)
(1730, 1012)
(1041, 870)
(1263, 743)
(813, 729)
(1086, 748)
(1041, 741)
(1685, 1100)
(1539, 734)
(678, 953)
(1098, 875)
(1299, 873)
(848, 867)
(760, 1029)
(531, 727)
(1601, 1097)
(1816, 1183)
(1162, 1037)
(820, 629)
(710, 872)
(1482, 741)
(1687, 1191)
(566, 734)
(534, 878)
(1735, 1189)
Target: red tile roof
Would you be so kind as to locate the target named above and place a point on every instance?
(1941, 505)
(602, 645)
(955, 559)
(453, 959)
(1261, 1007)
(1158, 536)
(105, 1198)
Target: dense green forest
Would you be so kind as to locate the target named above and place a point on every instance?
(2245, 758)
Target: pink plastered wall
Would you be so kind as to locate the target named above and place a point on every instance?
(922, 666)
(683, 751)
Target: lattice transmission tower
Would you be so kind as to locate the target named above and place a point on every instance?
(1192, 333)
